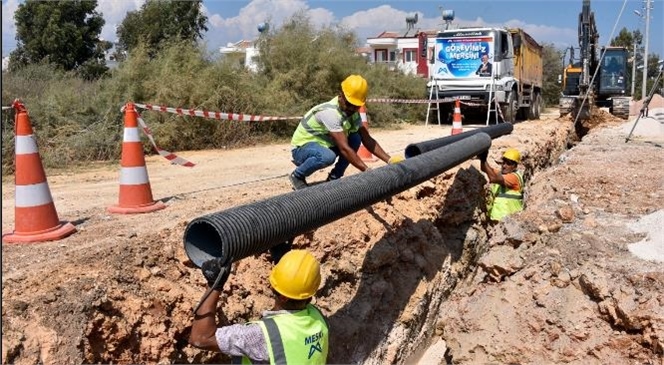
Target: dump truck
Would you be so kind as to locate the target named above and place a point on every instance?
(511, 85)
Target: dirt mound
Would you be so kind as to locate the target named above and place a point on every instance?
(121, 290)
(657, 101)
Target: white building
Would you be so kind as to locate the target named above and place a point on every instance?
(245, 51)
(408, 53)
(5, 63)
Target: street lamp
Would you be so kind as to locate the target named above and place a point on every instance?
(647, 7)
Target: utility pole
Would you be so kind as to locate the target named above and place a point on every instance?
(644, 88)
(633, 71)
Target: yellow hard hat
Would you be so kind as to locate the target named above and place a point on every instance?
(355, 89)
(297, 275)
(513, 155)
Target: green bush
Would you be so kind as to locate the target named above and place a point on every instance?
(78, 120)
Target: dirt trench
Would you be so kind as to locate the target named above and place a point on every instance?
(395, 275)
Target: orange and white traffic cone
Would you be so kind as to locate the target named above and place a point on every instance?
(135, 190)
(35, 216)
(456, 119)
(363, 152)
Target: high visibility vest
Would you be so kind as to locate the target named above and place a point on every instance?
(310, 130)
(295, 338)
(506, 201)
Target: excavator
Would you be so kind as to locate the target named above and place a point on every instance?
(580, 92)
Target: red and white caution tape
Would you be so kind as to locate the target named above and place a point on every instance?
(400, 101)
(213, 115)
(173, 158)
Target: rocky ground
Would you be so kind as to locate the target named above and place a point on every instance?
(556, 283)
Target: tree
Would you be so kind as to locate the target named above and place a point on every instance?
(62, 32)
(160, 21)
(553, 66)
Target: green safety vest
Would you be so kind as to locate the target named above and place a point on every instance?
(295, 338)
(310, 130)
(506, 202)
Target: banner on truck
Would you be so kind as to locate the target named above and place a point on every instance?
(461, 57)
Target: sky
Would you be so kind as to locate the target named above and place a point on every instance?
(548, 21)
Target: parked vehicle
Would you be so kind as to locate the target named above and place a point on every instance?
(458, 69)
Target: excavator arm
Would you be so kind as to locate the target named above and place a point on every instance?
(579, 98)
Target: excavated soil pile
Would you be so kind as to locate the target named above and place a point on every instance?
(557, 283)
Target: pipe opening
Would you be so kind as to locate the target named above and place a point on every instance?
(202, 242)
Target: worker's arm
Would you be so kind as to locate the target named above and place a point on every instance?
(205, 326)
(341, 141)
(372, 145)
(494, 176)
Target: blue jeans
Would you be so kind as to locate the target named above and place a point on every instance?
(312, 157)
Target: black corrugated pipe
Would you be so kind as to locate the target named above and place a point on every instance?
(254, 228)
(493, 131)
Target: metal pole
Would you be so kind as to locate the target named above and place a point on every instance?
(633, 71)
(644, 87)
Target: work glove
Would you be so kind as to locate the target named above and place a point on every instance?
(216, 272)
(483, 156)
(395, 159)
(278, 251)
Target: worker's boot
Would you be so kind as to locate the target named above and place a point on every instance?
(331, 177)
(297, 182)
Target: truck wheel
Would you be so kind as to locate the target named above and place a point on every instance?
(535, 107)
(510, 109)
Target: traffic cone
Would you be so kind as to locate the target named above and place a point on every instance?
(135, 191)
(363, 152)
(456, 119)
(35, 216)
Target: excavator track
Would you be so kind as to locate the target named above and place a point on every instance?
(620, 107)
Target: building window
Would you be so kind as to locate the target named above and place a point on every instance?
(410, 55)
(381, 55)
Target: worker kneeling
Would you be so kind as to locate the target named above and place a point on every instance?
(293, 332)
(334, 129)
(506, 184)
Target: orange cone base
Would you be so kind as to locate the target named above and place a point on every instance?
(365, 155)
(60, 231)
(457, 131)
(157, 205)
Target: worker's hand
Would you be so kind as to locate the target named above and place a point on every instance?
(483, 156)
(395, 159)
(216, 272)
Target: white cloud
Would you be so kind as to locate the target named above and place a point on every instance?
(114, 12)
(371, 22)
(244, 25)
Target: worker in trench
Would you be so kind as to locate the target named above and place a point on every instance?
(506, 184)
(334, 130)
(293, 332)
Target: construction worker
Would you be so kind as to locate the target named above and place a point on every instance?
(293, 332)
(334, 129)
(506, 184)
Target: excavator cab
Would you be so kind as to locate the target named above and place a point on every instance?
(612, 73)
